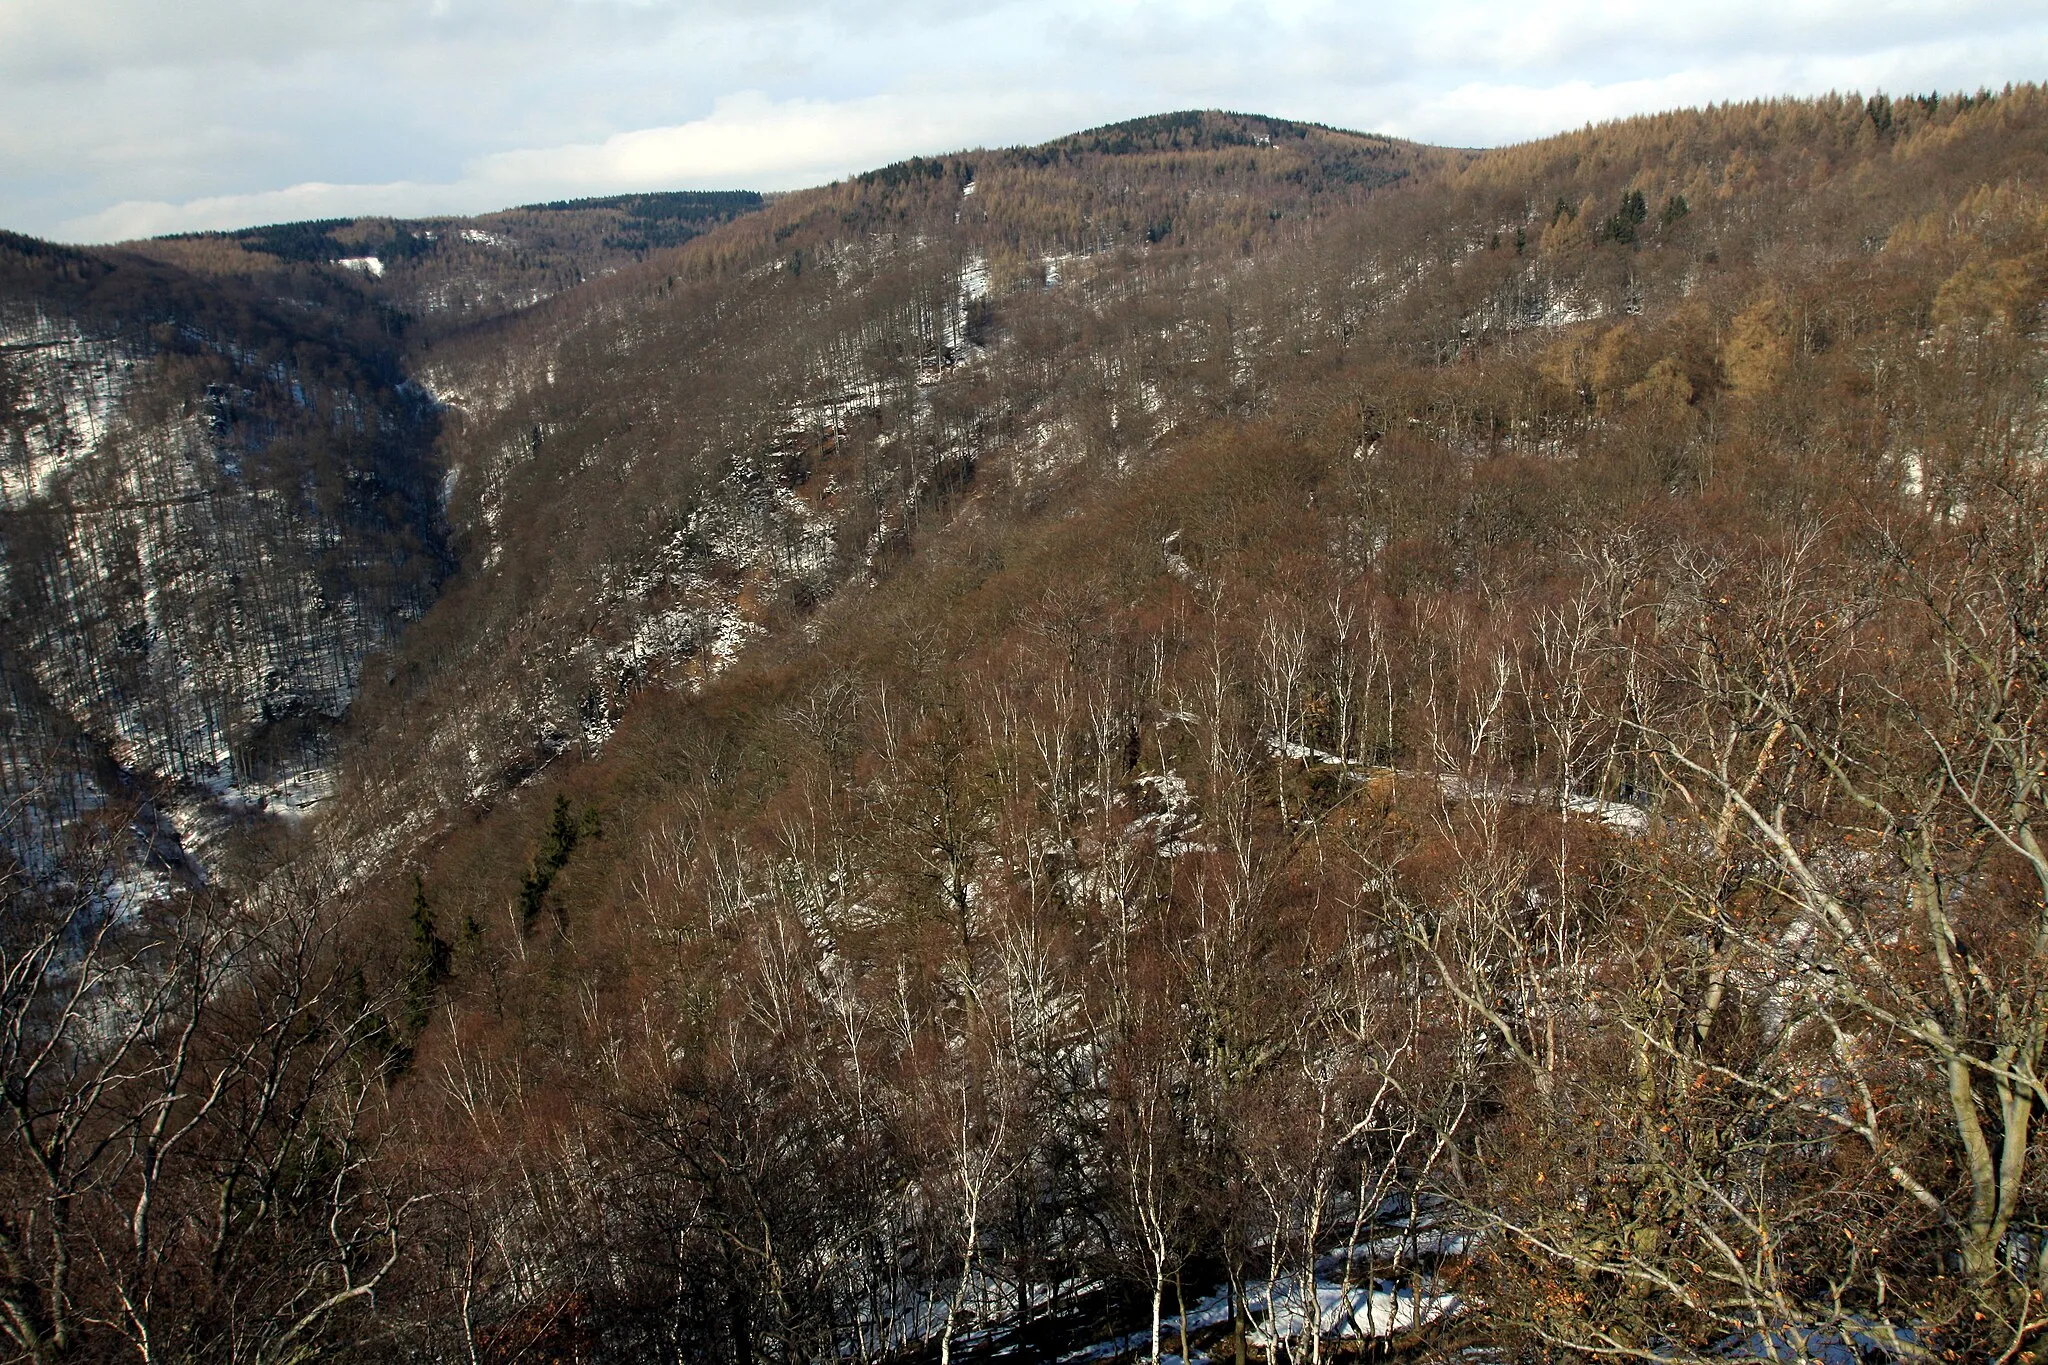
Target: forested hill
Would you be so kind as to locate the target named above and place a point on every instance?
(219, 492)
(216, 497)
(1218, 739)
(445, 273)
(650, 473)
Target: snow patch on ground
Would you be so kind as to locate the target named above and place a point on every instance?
(1912, 474)
(974, 278)
(1621, 816)
(1567, 308)
(292, 796)
(689, 604)
(1283, 1309)
(1361, 1312)
(365, 265)
(206, 817)
(1173, 816)
(66, 392)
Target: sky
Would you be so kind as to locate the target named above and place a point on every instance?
(127, 118)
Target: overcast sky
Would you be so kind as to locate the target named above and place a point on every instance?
(122, 118)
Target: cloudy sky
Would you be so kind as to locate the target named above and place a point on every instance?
(120, 118)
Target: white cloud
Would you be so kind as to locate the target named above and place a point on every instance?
(754, 140)
(133, 116)
(133, 218)
(747, 140)
(1484, 112)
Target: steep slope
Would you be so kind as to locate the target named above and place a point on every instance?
(219, 489)
(1419, 812)
(652, 471)
(215, 500)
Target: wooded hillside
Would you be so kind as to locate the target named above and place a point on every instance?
(1218, 740)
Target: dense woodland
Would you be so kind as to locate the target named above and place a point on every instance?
(1207, 712)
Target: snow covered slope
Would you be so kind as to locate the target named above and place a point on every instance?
(212, 507)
